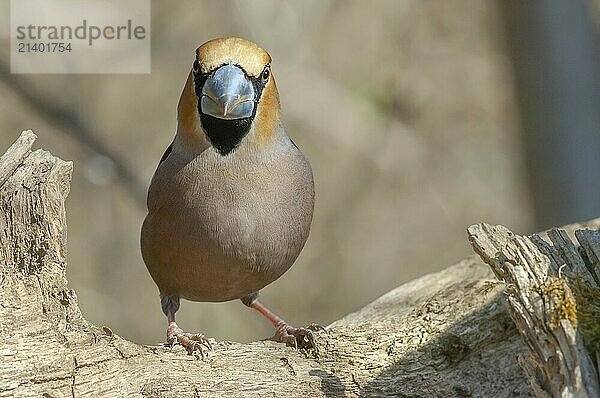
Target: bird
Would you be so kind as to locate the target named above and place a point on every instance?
(231, 202)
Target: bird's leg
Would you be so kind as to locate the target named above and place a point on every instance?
(176, 335)
(303, 338)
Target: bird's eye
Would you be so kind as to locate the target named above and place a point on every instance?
(196, 66)
(266, 73)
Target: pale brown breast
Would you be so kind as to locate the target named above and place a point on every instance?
(220, 227)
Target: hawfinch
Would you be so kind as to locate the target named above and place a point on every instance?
(231, 202)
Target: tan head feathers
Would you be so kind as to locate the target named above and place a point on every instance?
(244, 53)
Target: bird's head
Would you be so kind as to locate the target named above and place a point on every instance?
(230, 91)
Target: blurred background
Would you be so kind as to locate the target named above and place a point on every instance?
(419, 118)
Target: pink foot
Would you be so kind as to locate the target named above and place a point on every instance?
(191, 342)
(300, 338)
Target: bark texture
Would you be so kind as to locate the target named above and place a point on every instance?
(446, 334)
(554, 298)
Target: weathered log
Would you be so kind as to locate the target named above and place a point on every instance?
(15, 155)
(445, 334)
(554, 299)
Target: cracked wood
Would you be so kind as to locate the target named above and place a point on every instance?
(548, 284)
(445, 334)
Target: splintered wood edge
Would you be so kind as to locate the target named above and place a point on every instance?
(54, 351)
(15, 155)
(530, 266)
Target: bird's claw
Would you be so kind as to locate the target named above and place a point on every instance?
(315, 327)
(299, 338)
(192, 342)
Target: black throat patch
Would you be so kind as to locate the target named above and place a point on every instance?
(225, 135)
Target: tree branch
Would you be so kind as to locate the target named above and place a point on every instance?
(553, 298)
(445, 334)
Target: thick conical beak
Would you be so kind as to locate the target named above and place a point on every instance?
(228, 94)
